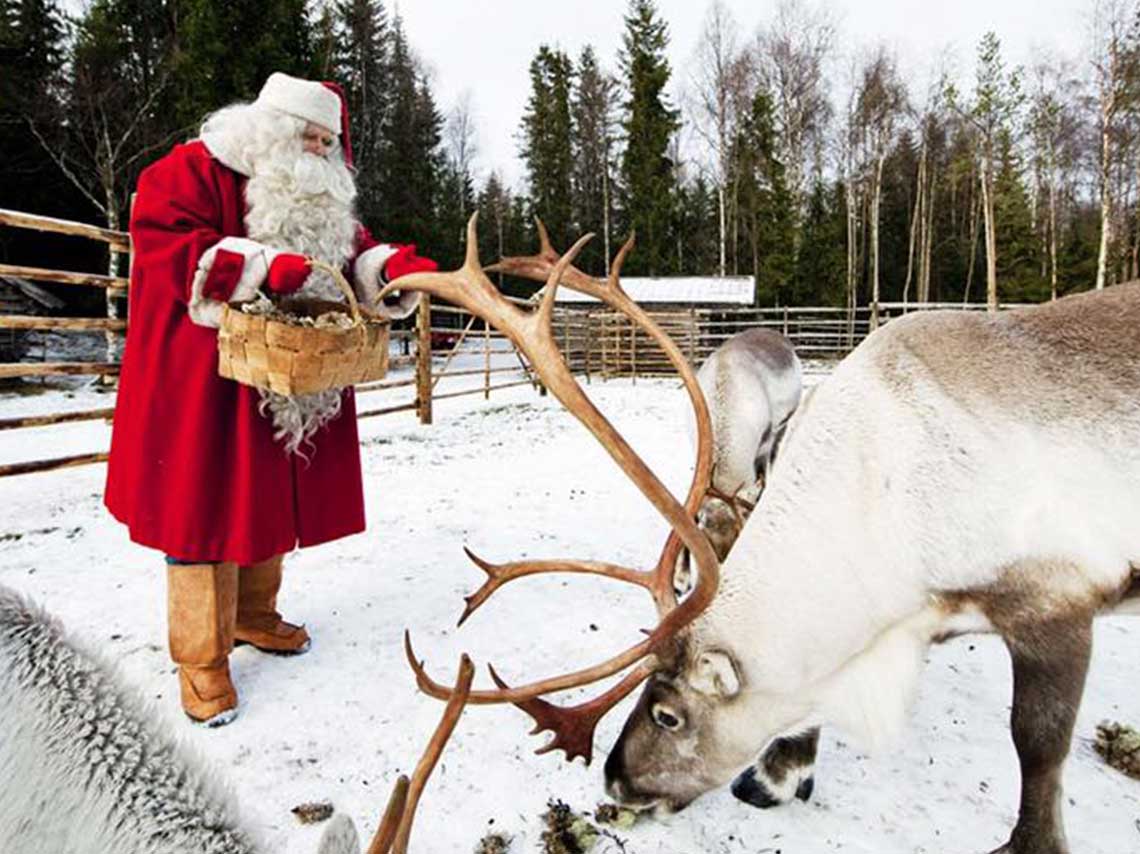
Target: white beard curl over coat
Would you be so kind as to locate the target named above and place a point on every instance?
(297, 202)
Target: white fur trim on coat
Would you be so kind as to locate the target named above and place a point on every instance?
(368, 271)
(208, 312)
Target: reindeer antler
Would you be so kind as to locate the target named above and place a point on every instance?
(396, 826)
(532, 334)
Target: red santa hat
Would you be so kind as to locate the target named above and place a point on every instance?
(321, 103)
(345, 139)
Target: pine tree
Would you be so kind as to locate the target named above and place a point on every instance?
(765, 204)
(409, 172)
(649, 125)
(360, 57)
(117, 101)
(592, 146)
(1018, 263)
(821, 263)
(31, 58)
(227, 50)
(546, 143)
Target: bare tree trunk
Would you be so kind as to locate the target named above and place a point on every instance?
(1052, 236)
(1105, 195)
(928, 233)
(974, 214)
(876, 193)
(916, 219)
(852, 255)
(991, 242)
(723, 236)
(606, 211)
(111, 338)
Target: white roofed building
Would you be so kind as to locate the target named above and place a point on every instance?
(674, 292)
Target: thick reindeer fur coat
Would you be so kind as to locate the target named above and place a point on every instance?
(83, 769)
(194, 468)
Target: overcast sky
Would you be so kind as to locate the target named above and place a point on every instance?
(486, 48)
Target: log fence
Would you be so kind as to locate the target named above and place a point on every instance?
(445, 343)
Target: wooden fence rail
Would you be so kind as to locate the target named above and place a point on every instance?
(595, 342)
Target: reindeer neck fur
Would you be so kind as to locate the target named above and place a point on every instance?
(950, 458)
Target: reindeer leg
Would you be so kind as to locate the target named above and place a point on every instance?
(1050, 661)
(785, 769)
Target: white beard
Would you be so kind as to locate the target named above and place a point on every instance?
(303, 203)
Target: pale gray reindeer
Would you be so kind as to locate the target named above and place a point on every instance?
(85, 770)
(956, 473)
(753, 383)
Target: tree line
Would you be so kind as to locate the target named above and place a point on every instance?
(822, 171)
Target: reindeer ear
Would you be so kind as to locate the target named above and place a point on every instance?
(715, 675)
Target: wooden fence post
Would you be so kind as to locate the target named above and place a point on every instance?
(423, 360)
(486, 360)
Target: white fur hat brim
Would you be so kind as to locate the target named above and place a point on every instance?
(306, 99)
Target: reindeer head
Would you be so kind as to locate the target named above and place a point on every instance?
(699, 701)
(683, 737)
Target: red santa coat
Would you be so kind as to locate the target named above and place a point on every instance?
(194, 469)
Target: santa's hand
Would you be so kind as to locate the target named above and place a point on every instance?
(287, 273)
(406, 261)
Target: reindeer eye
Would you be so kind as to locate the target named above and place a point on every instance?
(666, 718)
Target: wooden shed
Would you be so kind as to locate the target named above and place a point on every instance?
(21, 297)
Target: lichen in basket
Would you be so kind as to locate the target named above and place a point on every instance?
(264, 306)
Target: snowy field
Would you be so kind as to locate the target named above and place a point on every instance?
(515, 477)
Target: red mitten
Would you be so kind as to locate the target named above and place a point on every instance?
(407, 261)
(287, 273)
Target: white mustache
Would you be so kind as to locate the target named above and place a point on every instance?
(315, 175)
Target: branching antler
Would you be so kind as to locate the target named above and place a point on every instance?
(396, 826)
(532, 334)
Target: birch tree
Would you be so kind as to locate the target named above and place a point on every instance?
(1112, 66)
(1053, 125)
(790, 57)
(993, 111)
(880, 102)
(717, 81)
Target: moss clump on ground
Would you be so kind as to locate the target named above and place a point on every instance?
(566, 832)
(615, 816)
(1119, 746)
(494, 843)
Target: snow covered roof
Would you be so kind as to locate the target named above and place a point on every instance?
(683, 290)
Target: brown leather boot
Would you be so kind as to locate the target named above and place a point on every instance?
(258, 622)
(202, 609)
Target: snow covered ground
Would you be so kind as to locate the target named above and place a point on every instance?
(515, 477)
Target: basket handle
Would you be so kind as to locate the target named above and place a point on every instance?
(342, 283)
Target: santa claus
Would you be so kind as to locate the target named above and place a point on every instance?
(223, 479)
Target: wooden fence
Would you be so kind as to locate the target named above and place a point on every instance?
(439, 344)
(617, 349)
(443, 343)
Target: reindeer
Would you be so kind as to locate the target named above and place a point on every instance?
(957, 473)
(752, 384)
(86, 771)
